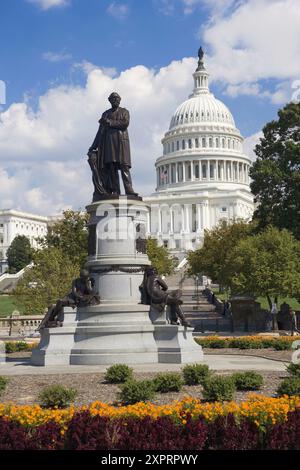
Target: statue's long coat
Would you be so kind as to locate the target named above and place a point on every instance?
(113, 141)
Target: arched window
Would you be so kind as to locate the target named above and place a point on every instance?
(197, 171)
(177, 145)
(223, 143)
(217, 142)
(183, 144)
(190, 143)
(172, 146)
(203, 142)
(210, 141)
(196, 142)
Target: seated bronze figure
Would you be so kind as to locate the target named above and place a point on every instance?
(155, 292)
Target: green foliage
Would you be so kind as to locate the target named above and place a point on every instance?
(118, 373)
(282, 345)
(49, 279)
(70, 235)
(266, 264)
(294, 369)
(168, 382)
(19, 254)
(3, 383)
(195, 374)
(248, 380)
(134, 391)
(17, 346)
(219, 388)
(56, 396)
(8, 305)
(289, 386)
(275, 173)
(212, 258)
(160, 257)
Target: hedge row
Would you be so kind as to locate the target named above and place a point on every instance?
(247, 342)
(87, 432)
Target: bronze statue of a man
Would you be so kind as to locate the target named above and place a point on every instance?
(155, 291)
(82, 295)
(110, 151)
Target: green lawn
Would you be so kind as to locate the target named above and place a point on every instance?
(263, 301)
(7, 305)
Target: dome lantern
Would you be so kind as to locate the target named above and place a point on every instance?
(200, 76)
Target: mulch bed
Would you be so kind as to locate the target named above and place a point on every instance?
(24, 390)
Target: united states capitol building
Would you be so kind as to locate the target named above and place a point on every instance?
(203, 174)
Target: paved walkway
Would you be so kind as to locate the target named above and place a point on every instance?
(215, 362)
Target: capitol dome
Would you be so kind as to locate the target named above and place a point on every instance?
(203, 170)
(202, 109)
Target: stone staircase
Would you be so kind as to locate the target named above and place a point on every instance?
(198, 310)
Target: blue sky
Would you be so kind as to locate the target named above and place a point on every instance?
(54, 52)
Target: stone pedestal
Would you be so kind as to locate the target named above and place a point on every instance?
(120, 329)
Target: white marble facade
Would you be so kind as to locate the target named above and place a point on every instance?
(203, 174)
(13, 223)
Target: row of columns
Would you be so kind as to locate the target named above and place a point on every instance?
(214, 170)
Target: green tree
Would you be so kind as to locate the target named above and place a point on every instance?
(70, 234)
(49, 279)
(19, 254)
(212, 258)
(266, 264)
(160, 257)
(276, 172)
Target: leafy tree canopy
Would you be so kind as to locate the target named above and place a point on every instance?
(212, 258)
(266, 264)
(160, 257)
(49, 279)
(276, 172)
(19, 254)
(70, 234)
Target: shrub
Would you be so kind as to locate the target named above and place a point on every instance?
(217, 344)
(224, 433)
(87, 432)
(294, 369)
(134, 391)
(56, 396)
(3, 383)
(289, 386)
(17, 346)
(218, 389)
(286, 435)
(12, 435)
(281, 345)
(241, 343)
(195, 374)
(46, 437)
(248, 380)
(118, 373)
(168, 382)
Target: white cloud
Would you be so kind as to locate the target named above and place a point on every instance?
(56, 56)
(257, 40)
(43, 163)
(250, 143)
(118, 10)
(47, 4)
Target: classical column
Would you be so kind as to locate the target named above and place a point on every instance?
(171, 220)
(238, 172)
(208, 170)
(200, 170)
(159, 220)
(176, 173)
(192, 171)
(199, 217)
(187, 218)
(182, 219)
(215, 170)
(231, 169)
(183, 172)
